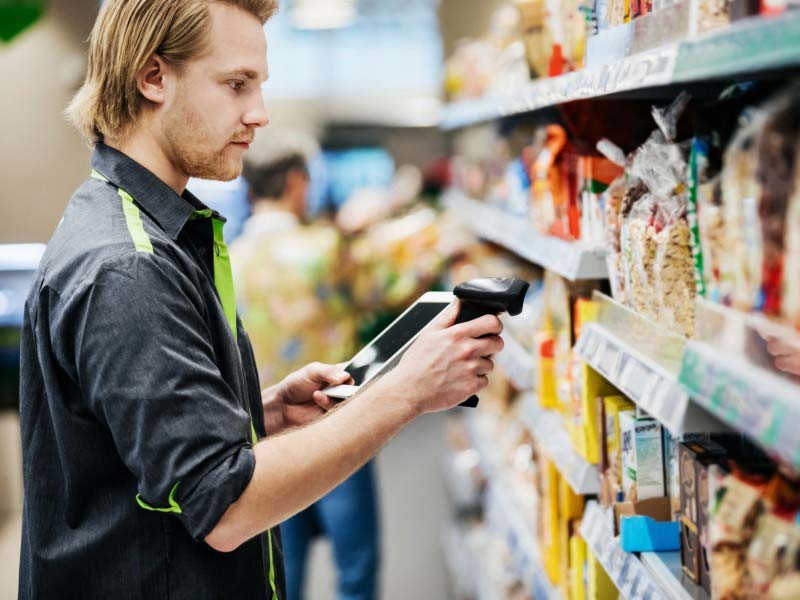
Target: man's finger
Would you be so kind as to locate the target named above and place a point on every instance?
(778, 347)
(489, 345)
(330, 374)
(485, 325)
(324, 401)
(447, 317)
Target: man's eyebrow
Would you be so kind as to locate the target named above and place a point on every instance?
(244, 72)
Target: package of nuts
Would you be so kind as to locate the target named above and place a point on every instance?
(712, 14)
(655, 239)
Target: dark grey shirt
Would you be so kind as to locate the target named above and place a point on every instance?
(134, 396)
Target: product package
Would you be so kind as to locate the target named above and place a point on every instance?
(790, 303)
(777, 155)
(596, 174)
(656, 257)
(773, 551)
(581, 419)
(613, 408)
(548, 526)
(598, 584)
(734, 517)
(535, 36)
(577, 567)
(741, 266)
(549, 189)
(642, 458)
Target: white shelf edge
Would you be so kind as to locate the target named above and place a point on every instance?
(650, 385)
(627, 572)
(572, 260)
(751, 45)
(752, 400)
(547, 427)
(671, 582)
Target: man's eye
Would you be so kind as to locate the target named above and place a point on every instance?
(236, 85)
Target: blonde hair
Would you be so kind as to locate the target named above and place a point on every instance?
(126, 34)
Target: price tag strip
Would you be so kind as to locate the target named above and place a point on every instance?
(630, 576)
(571, 260)
(649, 385)
(752, 400)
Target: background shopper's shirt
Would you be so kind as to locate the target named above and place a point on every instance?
(137, 402)
(290, 285)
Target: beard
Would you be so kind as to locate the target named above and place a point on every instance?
(193, 149)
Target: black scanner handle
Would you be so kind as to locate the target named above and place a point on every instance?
(489, 296)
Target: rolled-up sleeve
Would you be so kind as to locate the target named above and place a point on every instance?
(146, 367)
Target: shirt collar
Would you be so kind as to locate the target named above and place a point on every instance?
(160, 201)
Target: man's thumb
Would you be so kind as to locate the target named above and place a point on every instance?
(447, 317)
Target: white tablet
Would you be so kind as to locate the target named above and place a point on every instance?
(385, 351)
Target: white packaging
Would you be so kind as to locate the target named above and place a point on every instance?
(642, 458)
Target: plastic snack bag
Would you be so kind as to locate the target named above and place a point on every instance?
(790, 304)
(775, 172)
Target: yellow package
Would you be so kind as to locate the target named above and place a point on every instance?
(570, 509)
(592, 386)
(598, 584)
(614, 406)
(547, 374)
(577, 567)
(587, 385)
(549, 539)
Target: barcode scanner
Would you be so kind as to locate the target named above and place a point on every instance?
(489, 296)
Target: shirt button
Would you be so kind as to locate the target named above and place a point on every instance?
(202, 251)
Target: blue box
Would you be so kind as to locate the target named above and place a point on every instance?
(644, 534)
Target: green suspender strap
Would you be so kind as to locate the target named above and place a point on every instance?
(223, 281)
(133, 218)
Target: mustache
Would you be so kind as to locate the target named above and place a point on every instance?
(245, 137)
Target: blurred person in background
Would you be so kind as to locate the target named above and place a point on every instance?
(291, 291)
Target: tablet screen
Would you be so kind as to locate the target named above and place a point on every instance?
(369, 361)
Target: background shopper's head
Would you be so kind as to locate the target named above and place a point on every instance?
(186, 74)
(277, 172)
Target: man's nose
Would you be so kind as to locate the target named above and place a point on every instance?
(257, 115)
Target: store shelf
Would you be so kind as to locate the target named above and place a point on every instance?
(629, 574)
(730, 372)
(571, 260)
(643, 360)
(505, 512)
(547, 427)
(461, 563)
(758, 44)
(516, 363)
(665, 568)
(463, 489)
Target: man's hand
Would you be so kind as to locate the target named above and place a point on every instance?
(447, 363)
(293, 402)
(786, 353)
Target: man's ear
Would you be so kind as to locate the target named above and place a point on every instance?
(151, 79)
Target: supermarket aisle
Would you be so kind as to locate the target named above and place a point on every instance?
(414, 508)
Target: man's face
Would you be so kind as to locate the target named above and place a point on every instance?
(210, 117)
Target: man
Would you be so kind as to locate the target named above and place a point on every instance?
(140, 406)
(292, 298)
